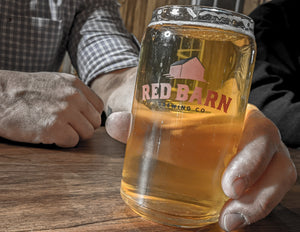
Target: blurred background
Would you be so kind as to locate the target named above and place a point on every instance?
(137, 13)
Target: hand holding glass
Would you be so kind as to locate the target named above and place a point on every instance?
(191, 94)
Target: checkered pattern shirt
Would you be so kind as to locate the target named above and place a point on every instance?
(35, 34)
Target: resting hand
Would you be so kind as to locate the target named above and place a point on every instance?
(116, 89)
(47, 108)
(259, 176)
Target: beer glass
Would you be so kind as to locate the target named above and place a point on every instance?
(191, 92)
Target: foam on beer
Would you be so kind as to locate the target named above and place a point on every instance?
(204, 24)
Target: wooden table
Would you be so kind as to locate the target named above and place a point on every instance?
(44, 188)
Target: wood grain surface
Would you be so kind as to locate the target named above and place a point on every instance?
(44, 188)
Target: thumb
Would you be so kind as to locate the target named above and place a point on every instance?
(117, 125)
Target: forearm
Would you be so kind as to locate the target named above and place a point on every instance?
(99, 42)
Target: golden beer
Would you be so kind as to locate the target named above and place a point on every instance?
(188, 110)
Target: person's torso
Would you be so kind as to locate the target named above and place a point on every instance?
(34, 33)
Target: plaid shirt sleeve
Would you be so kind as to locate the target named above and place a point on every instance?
(99, 42)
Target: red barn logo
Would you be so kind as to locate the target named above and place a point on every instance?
(190, 69)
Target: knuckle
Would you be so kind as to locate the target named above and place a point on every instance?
(76, 92)
(264, 207)
(98, 122)
(292, 173)
(72, 94)
(267, 137)
(272, 130)
(68, 140)
(288, 166)
(59, 109)
(88, 133)
(99, 106)
(71, 141)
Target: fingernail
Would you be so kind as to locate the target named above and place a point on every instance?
(239, 187)
(233, 221)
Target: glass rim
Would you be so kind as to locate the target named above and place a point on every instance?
(205, 16)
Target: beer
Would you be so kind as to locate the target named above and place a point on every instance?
(191, 93)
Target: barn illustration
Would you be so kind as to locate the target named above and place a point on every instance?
(190, 68)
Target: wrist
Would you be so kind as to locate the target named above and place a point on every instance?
(116, 89)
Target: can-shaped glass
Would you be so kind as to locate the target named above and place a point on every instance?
(191, 93)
